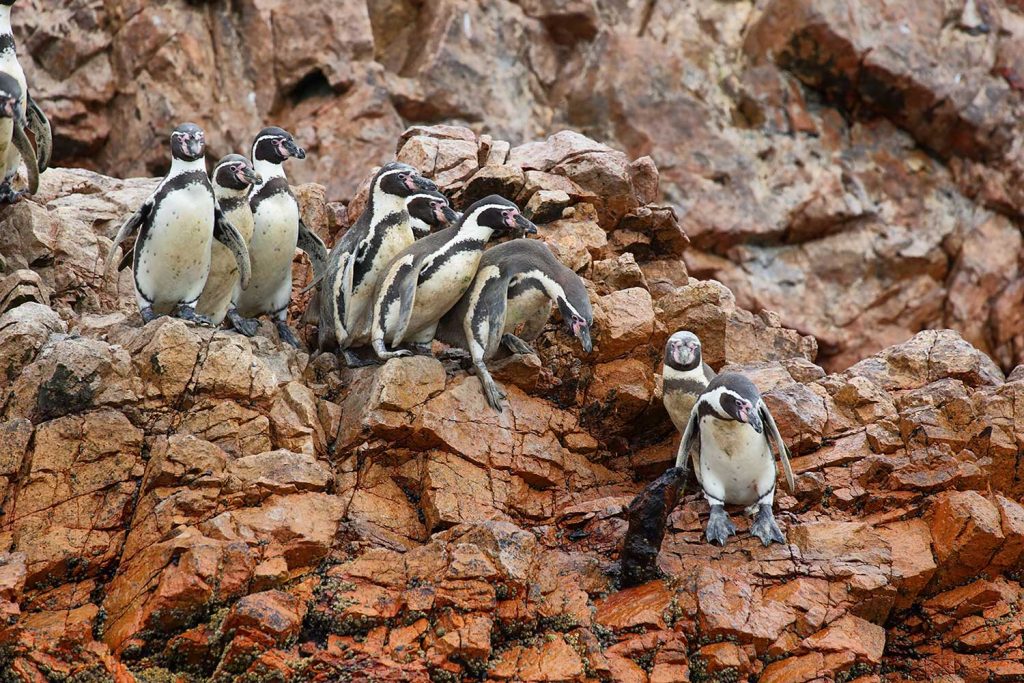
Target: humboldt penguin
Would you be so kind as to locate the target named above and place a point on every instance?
(357, 261)
(684, 376)
(177, 226)
(734, 461)
(429, 210)
(232, 177)
(277, 230)
(481, 322)
(428, 277)
(14, 145)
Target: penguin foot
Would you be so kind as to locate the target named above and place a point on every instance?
(720, 527)
(148, 314)
(495, 394)
(516, 345)
(188, 313)
(9, 195)
(354, 361)
(453, 353)
(247, 326)
(421, 349)
(765, 527)
(286, 334)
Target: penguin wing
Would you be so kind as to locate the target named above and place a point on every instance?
(28, 153)
(484, 321)
(398, 286)
(315, 248)
(228, 235)
(127, 260)
(40, 127)
(766, 418)
(127, 228)
(336, 298)
(709, 374)
(686, 443)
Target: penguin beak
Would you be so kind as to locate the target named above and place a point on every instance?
(684, 353)
(294, 150)
(449, 214)
(194, 147)
(417, 182)
(249, 176)
(749, 415)
(7, 107)
(582, 332)
(523, 226)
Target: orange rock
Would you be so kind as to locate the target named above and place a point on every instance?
(638, 606)
(721, 656)
(552, 659)
(622, 321)
(851, 635)
(912, 561)
(966, 532)
(794, 669)
(273, 613)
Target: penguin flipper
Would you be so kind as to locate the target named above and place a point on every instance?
(780, 445)
(40, 127)
(28, 154)
(686, 443)
(336, 296)
(228, 235)
(315, 248)
(127, 228)
(397, 287)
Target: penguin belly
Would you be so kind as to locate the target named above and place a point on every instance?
(438, 294)
(271, 252)
(735, 462)
(173, 261)
(679, 404)
(527, 313)
(220, 285)
(359, 307)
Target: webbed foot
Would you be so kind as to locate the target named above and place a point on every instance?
(188, 313)
(720, 527)
(354, 361)
(246, 326)
(765, 527)
(286, 334)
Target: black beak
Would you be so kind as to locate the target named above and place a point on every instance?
(421, 183)
(524, 226)
(294, 149)
(583, 334)
(450, 214)
(195, 148)
(250, 176)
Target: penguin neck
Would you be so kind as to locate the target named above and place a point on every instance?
(473, 231)
(179, 166)
(554, 290)
(229, 194)
(385, 204)
(5, 24)
(268, 169)
(694, 373)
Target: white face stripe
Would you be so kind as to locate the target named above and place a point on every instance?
(422, 195)
(472, 218)
(714, 400)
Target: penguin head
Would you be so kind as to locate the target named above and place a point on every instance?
(737, 398)
(401, 180)
(501, 216)
(188, 142)
(234, 172)
(429, 210)
(683, 351)
(576, 312)
(7, 3)
(10, 97)
(275, 145)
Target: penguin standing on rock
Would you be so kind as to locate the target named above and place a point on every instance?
(734, 461)
(427, 278)
(684, 376)
(177, 226)
(513, 290)
(232, 177)
(429, 210)
(14, 145)
(358, 260)
(278, 229)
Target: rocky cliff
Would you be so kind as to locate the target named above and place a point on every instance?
(187, 504)
(853, 166)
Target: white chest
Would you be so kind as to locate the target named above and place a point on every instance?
(735, 461)
(526, 307)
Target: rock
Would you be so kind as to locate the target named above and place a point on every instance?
(966, 534)
(622, 321)
(272, 613)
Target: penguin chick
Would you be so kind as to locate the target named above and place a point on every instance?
(427, 278)
(734, 459)
(14, 144)
(684, 375)
(358, 260)
(277, 230)
(429, 210)
(232, 177)
(177, 226)
(480, 321)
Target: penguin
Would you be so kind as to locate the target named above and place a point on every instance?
(430, 276)
(177, 225)
(14, 144)
(429, 210)
(232, 177)
(277, 230)
(684, 376)
(734, 461)
(481, 322)
(357, 261)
